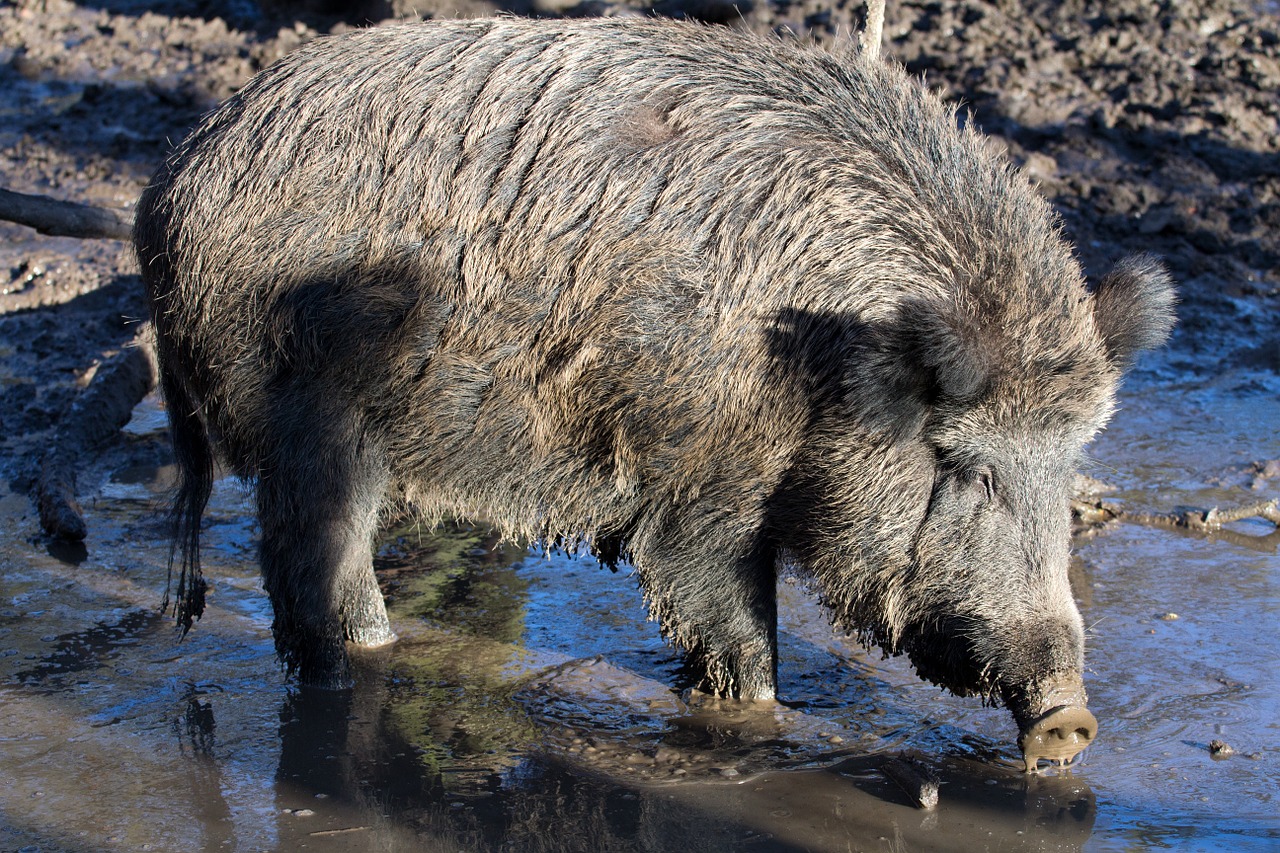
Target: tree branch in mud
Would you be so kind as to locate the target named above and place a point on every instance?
(1196, 519)
(99, 413)
(915, 779)
(1091, 516)
(64, 218)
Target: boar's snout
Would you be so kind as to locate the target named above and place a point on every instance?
(1060, 732)
(1058, 736)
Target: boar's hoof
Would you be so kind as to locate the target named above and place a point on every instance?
(1057, 735)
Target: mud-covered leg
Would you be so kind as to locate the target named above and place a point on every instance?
(363, 611)
(724, 613)
(318, 505)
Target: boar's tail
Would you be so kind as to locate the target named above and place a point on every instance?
(194, 454)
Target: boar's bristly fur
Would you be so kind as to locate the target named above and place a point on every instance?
(712, 303)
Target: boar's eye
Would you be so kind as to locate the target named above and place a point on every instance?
(983, 482)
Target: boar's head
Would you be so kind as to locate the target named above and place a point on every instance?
(964, 419)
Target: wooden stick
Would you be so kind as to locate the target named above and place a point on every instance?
(64, 218)
(915, 779)
(873, 30)
(1090, 516)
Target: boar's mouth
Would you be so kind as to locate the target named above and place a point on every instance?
(1049, 708)
(942, 653)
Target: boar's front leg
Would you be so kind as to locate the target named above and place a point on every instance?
(319, 498)
(723, 613)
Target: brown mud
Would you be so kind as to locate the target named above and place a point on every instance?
(528, 705)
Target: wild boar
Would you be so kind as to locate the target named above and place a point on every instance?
(707, 302)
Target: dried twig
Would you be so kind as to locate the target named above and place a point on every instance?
(328, 833)
(64, 218)
(1091, 516)
(1213, 519)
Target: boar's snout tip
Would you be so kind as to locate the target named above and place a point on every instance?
(1058, 735)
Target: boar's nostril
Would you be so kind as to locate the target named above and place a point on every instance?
(1057, 735)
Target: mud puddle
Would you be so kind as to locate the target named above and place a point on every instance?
(529, 704)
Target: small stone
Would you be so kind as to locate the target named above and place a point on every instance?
(835, 739)
(1169, 617)
(1220, 749)
(728, 772)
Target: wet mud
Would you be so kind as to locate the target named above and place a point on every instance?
(529, 705)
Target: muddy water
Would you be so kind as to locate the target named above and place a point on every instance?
(528, 704)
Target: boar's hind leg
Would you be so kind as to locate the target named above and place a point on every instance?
(319, 499)
(725, 615)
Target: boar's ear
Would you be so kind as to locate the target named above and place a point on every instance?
(1133, 307)
(946, 345)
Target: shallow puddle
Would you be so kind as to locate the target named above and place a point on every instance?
(529, 705)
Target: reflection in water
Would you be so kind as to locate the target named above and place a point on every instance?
(73, 553)
(196, 726)
(196, 739)
(456, 739)
(78, 651)
(347, 770)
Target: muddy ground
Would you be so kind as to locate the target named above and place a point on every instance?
(1151, 127)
